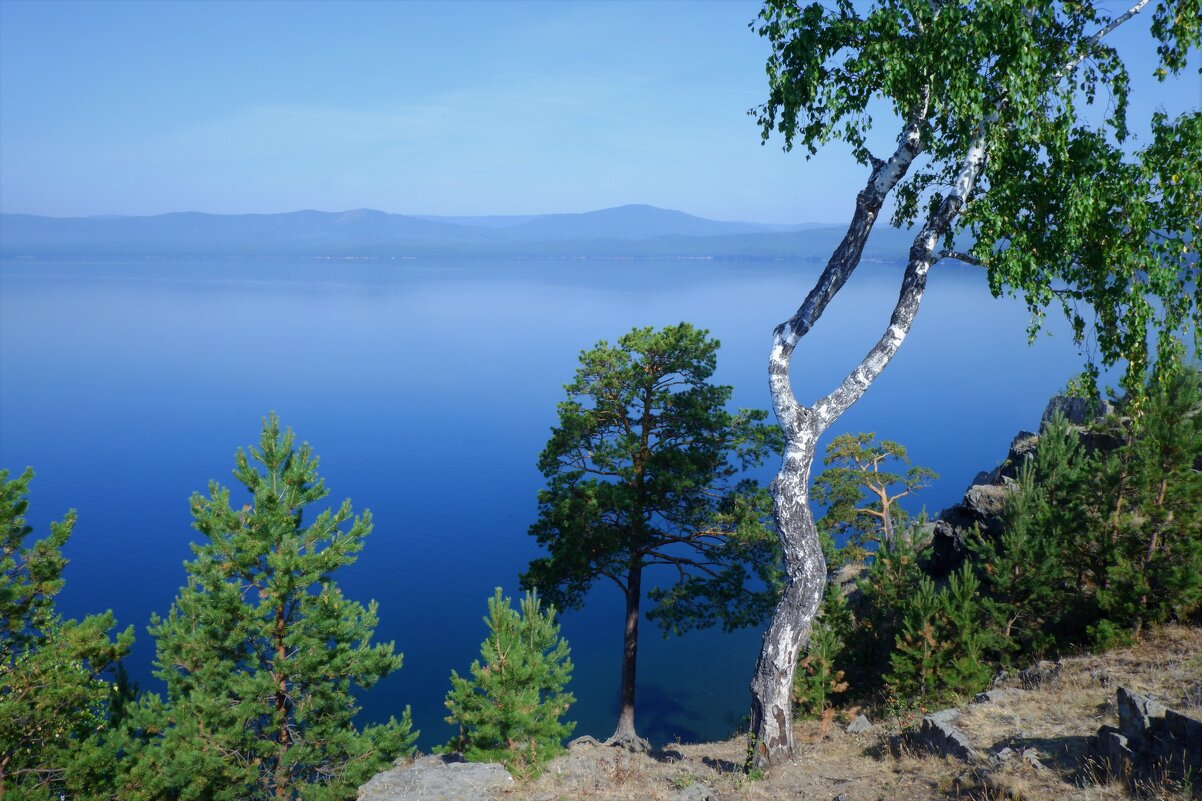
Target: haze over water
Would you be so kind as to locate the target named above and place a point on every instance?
(428, 389)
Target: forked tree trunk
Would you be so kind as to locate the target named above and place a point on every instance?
(772, 685)
(625, 733)
(771, 688)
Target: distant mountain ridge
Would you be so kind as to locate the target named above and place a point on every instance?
(630, 231)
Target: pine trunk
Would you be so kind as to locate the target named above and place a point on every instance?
(625, 733)
(283, 774)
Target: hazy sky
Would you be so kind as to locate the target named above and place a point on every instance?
(410, 107)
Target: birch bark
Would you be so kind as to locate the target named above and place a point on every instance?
(772, 685)
(771, 688)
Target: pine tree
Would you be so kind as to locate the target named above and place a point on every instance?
(1026, 576)
(941, 650)
(820, 675)
(510, 709)
(1099, 542)
(54, 703)
(888, 586)
(858, 468)
(645, 469)
(1154, 569)
(261, 653)
(915, 662)
(968, 641)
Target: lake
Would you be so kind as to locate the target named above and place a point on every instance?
(428, 389)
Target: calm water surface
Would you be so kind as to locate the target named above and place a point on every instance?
(428, 390)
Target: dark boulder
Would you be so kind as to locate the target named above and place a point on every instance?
(1150, 741)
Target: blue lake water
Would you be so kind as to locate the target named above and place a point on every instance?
(428, 389)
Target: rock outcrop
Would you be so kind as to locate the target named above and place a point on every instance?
(985, 499)
(1150, 741)
(860, 725)
(438, 778)
(939, 735)
(981, 508)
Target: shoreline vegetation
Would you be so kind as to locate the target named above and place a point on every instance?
(1035, 744)
(909, 626)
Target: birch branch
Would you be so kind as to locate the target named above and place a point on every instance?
(922, 255)
(885, 176)
(1097, 37)
(959, 256)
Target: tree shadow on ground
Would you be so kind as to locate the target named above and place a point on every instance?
(1065, 755)
(723, 765)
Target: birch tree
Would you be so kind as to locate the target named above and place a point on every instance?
(1013, 143)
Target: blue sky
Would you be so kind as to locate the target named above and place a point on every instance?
(409, 107)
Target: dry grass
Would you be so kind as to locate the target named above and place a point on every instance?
(1056, 720)
(829, 764)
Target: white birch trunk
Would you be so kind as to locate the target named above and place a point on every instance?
(771, 688)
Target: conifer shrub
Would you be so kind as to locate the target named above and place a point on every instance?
(820, 678)
(55, 699)
(1024, 574)
(261, 652)
(942, 649)
(1100, 542)
(1153, 547)
(511, 709)
(1101, 537)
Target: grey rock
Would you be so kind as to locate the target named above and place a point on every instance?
(944, 716)
(994, 696)
(633, 744)
(1186, 729)
(1114, 751)
(1136, 714)
(986, 501)
(847, 576)
(1031, 757)
(1039, 674)
(1002, 757)
(696, 792)
(859, 725)
(1022, 448)
(438, 778)
(1078, 411)
(938, 734)
(1150, 739)
(583, 741)
(1182, 739)
(947, 540)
